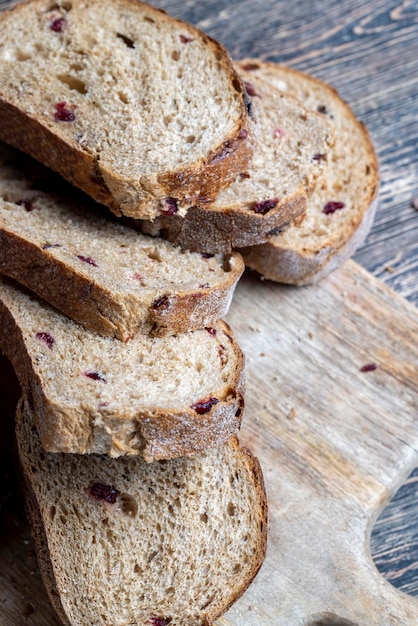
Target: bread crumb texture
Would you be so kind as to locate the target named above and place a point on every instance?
(172, 542)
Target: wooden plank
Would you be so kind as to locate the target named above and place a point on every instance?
(334, 443)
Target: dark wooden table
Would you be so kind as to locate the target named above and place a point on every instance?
(369, 52)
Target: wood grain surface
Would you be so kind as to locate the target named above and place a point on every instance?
(369, 52)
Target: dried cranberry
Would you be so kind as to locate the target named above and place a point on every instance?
(265, 206)
(27, 204)
(332, 206)
(204, 286)
(99, 491)
(137, 276)
(58, 25)
(159, 621)
(243, 134)
(204, 406)
(211, 331)
(87, 259)
(95, 376)
(185, 39)
(62, 113)
(251, 90)
(244, 175)
(319, 157)
(207, 255)
(228, 147)
(321, 108)
(46, 338)
(369, 367)
(171, 204)
(161, 302)
(278, 132)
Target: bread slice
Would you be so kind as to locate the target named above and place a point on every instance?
(340, 212)
(126, 102)
(271, 191)
(120, 541)
(155, 397)
(108, 277)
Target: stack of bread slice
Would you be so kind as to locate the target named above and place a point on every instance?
(145, 508)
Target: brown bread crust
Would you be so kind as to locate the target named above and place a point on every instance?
(125, 196)
(277, 260)
(151, 432)
(207, 230)
(39, 513)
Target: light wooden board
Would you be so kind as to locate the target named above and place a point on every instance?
(334, 443)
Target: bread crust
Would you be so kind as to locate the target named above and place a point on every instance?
(111, 313)
(122, 194)
(153, 433)
(239, 219)
(39, 515)
(208, 230)
(280, 262)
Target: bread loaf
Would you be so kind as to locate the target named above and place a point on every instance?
(340, 212)
(120, 541)
(108, 277)
(154, 397)
(126, 102)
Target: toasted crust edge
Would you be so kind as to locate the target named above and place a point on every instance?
(35, 518)
(96, 308)
(153, 434)
(206, 177)
(285, 265)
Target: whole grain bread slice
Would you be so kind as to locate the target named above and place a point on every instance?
(126, 102)
(120, 541)
(340, 212)
(154, 397)
(108, 277)
(272, 191)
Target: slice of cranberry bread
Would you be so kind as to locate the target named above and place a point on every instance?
(289, 160)
(340, 212)
(121, 541)
(106, 276)
(126, 102)
(155, 397)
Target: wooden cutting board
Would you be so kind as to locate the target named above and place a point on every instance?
(334, 443)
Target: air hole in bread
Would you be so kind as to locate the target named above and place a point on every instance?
(128, 505)
(52, 512)
(138, 569)
(231, 509)
(175, 55)
(73, 83)
(191, 139)
(63, 519)
(153, 253)
(149, 19)
(123, 97)
(22, 55)
(152, 555)
(204, 518)
(126, 40)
